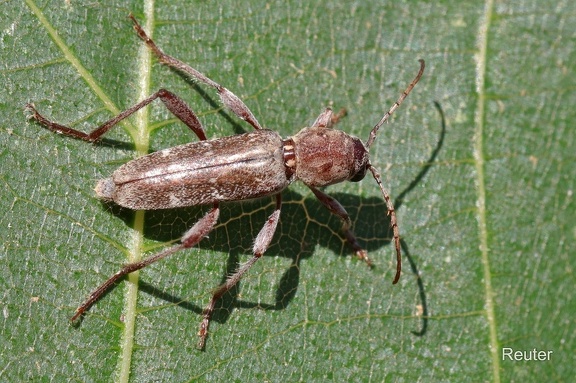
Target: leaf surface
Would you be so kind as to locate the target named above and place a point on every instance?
(485, 204)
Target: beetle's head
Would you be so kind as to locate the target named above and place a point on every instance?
(361, 160)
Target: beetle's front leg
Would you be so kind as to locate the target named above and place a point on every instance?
(327, 119)
(261, 244)
(337, 209)
(229, 99)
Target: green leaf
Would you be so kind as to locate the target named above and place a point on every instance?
(485, 206)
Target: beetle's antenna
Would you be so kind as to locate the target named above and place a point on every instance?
(396, 105)
(393, 221)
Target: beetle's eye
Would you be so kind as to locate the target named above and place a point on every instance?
(359, 176)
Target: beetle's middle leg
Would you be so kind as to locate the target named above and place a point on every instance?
(261, 244)
(337, 209)
(229, 99)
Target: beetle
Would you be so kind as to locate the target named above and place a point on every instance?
(245, 166)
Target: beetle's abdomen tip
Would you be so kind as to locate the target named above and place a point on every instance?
(105, 189)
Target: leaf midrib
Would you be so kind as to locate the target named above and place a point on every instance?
(142, 143)
(479, 162)
(140, 134)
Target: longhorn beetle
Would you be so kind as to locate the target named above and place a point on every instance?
(240, 167)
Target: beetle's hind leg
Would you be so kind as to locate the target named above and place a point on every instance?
(174, 104)
(229, 99)
(194, 235)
